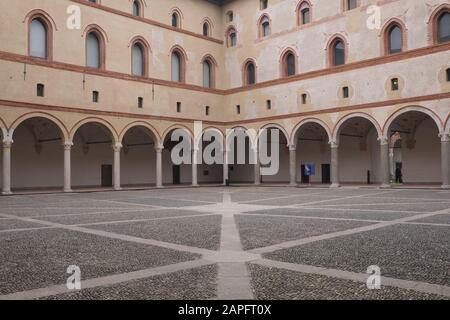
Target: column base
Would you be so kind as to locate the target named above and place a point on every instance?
(335, 185)
(445, 186)
(68, 190)
(6, 193)
(385, 186)
(293, 184)
(160, 187)
(195, 185)
(118, 189)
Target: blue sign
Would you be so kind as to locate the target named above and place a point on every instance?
(310, 169)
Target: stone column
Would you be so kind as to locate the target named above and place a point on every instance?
(7, 144)
(384, 163)
(159, 150)
(445, 160)
(334, 165)
(194, 167)
(67, 167)
(391, 164)
(293, 165)
(225, 167)
(257, 167)
(117, 148)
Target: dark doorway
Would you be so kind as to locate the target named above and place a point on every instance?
(107, 175)
(305, 178)
(176, 173)
(326, 173)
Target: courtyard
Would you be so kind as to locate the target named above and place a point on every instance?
(227, 243)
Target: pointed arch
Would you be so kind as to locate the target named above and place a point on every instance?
(337, 42)
(264, 26)
(433, 28)
(95, 59)
(178, 64)
(47, 22)
(385, 35)
(288, 62)
(209, 71)
(304, 12)
(249, 72)
(141, 43)
(298, 127)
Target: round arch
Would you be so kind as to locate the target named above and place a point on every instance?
(216, 130)
(277, 126)
(174, 127)
(62, 128)
(447, 126)
(106, 124)
(297, 128)
(393, 116)
(153, 132)
(339, 125)
(245, 130)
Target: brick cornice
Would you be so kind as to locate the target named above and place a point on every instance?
(372, 105)
(145, 20)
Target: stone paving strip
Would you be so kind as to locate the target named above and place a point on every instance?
(295, 243)
(106, 281)
(358, 277)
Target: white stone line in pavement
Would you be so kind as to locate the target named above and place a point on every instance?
(106, 280)
(295, 243)
(113, 235)
(418, 199)
(371, 204)
(345, 198)
(309, 217)
(282, 197)
(357, 277)
(26, 229)
(141, 220)
(233, 281)
(341, 219)
(93, 213)
(356, 210)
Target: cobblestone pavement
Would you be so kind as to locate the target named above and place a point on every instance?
(227, 243)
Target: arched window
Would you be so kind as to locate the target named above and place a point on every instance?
(231, 37)
(207, 74)
(94, 55)
(137, 11)
(39, 39)
(395, 42)
(288, 64)
(139, 59)
(249, 73)
(175, 20)
(264, 27)
(177, 63)
(337, 52)
(304, 13)
(206, 29)
(443, 27)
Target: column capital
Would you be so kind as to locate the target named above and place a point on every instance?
(117, 146)
(292, 147)
(383, 140)
(68, 145)
(7, 143)
(445, 137)
(159, 148)
(334, 144)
